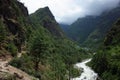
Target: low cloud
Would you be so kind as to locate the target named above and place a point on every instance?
(67, 11)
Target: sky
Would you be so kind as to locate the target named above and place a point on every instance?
(67, 11)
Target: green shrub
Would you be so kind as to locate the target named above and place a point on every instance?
(75, 72)
(12, 48)
(37, 74)
(24, 63)
(16, 62)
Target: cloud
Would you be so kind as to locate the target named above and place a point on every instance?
(67, 11)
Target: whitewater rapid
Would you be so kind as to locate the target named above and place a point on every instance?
(87, 74)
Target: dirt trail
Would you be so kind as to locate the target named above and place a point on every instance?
(5, 67)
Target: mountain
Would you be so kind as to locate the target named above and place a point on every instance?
(92, 29)
(12, 26)
(107, 60)
(44, 17)
(81, 28)
(107, 20)
(64, 27)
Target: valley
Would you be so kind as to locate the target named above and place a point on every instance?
(35, 46)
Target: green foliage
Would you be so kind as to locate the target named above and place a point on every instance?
(24, 63)
(58, 67)
(16, 62)
(74, 72)
(39, 46)
(12, 49)
(107, 64)
(56, 55)
(107, 61)
(84, 54)
(100, 59)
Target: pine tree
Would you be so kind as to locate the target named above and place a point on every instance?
(39, 47)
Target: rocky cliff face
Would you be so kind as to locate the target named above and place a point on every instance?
(12, 25)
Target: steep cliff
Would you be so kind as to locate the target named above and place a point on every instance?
(12, 26)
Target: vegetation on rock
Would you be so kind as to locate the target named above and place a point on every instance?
(107, 61)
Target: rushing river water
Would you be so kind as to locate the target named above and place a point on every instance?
(88, 73)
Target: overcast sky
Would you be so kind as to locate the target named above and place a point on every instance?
(67, 11)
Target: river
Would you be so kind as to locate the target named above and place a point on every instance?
(87, 74)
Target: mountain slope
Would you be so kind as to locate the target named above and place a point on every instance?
(107, 61)
(91, 30)
(106, 22)
(12, 26)
(44, 17)
(13, 33)
(64, 27)
(80, 29)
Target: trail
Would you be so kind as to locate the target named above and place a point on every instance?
(5, 67)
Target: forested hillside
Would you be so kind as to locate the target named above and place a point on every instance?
(96, 38)
(64, 27)
(13, 27)
(45, 18)
(81, 28)
(107, 60)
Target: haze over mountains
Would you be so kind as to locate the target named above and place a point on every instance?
(68, 11)
(92, 29)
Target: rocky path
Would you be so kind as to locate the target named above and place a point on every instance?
(21, 75)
